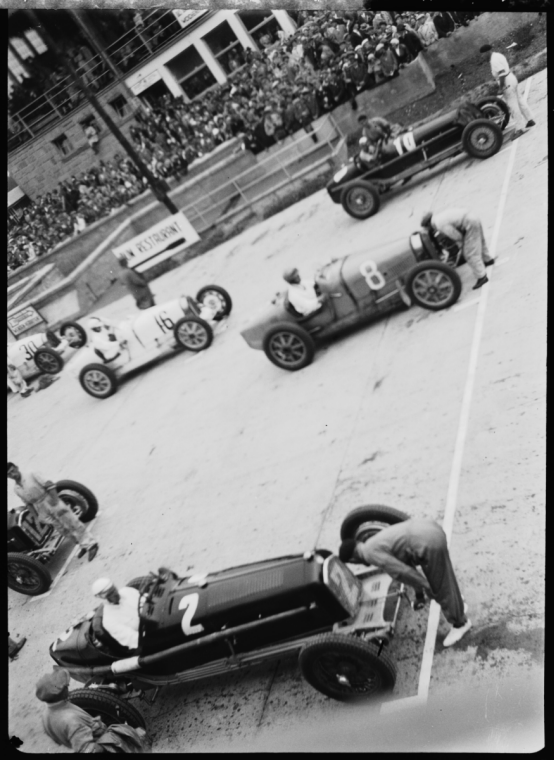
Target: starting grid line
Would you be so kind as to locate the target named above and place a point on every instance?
(420, 700)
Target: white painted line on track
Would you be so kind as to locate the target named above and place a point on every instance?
(455, 472)
(465, 304)
(58, 577)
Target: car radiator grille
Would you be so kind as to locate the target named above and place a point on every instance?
(249, 588)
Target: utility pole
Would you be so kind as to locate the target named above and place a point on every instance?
(156, 184)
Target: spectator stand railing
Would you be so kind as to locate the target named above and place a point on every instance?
(273, 172)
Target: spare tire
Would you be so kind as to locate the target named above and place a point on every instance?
(110, 708)
(79, 498)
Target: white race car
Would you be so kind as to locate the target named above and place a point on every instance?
(44, 352)
(116, 350)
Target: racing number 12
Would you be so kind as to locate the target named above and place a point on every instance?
(373, 277)
(189, 603)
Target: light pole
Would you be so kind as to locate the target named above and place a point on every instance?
(156, 184)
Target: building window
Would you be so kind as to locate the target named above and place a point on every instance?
(62, 145)
(191, 72)
(225, 47)
(119, 105)
(262, 26)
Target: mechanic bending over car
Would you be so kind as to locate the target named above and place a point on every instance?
(120, 613)
(464, 228)
(302, 294)
(42, 500)
(398, 549)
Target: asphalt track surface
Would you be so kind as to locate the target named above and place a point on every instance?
(218, 459)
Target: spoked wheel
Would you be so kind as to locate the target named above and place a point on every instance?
(496, 110)
(361, 200)
(48, 360)
(98, 381)
(434, 285)
(217, 299)
(345, 668)
(74, 334)
(193, 333)
(27, 575)
(482, 138)
(108, 707)
(289, 347)
(364, 522)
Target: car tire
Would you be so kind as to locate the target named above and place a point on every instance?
(433, 285)
(360, 199)
(289, 346)
(482, 138)
(34, 578)
(52, 338)
(363, 522)
(495, 109)
(79, 498)
(368, 672)
(193, 333)
(74, 333)
(98, 380)
(107, 706)
(222, 296)
(48, 360)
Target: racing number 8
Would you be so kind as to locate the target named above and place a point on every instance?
(189, 603)
(373, 277)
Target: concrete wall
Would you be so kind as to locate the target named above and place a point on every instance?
(38, 167)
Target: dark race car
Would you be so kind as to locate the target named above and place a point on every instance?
(310, 605)
(31, 544)
(356, 289)
(358, 187)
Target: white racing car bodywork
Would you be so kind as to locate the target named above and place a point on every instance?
(21, 353)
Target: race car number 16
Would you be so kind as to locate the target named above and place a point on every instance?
(189, 603)
(373, 277)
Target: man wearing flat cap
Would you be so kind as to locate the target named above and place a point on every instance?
(72, 727)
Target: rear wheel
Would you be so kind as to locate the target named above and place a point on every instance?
(48, 360)
(98, 381)
(481, 138)
(364, 522)
(346, 668)
(434, 285)
(27, 575)
(79, 498)
(217, 298)
(74, 334)
(361, 200)
(289, 346)
(111, 709)
(193, 333)
(496, 110)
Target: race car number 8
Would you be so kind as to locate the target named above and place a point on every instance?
(189, 603)
(373, 277)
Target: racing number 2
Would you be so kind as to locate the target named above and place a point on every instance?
(373, 277)
(189, 603)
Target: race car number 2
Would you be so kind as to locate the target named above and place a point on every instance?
(373, 277)
(189, 603)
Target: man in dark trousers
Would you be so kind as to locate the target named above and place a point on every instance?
(136, 284)
(399, 549)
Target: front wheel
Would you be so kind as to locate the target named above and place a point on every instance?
(495, 109)
(193, 333)
(434, 285)
(361, 200)
(27, 575)
(481, 138)
(48, 360)
(289, 346)
(216, 298)
(345, 668)
(74, 334)
(364, 522)
(79, 498)
(98, 381)
(111, 709)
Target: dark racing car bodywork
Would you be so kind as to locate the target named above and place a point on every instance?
(358, 186)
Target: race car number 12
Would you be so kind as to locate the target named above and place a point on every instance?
(189, 603)
(373, 277)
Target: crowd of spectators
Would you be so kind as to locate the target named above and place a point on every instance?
(271, 93)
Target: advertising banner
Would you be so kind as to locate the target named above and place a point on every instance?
(159, 242)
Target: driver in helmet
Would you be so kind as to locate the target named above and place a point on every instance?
(104, 339)
(301, 293)
(120, 614)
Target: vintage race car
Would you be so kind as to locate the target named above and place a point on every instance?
(354, 290)
(31, 544)
(153, 333)
(44, 351)
(338, 618)
(358, 187)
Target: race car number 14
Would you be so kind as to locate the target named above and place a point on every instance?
(373, 277)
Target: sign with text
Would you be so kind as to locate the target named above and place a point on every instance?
(164, 239)
(20, 321)
(187, 17)
(145, 81)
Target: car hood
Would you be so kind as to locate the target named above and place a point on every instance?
(254, 333)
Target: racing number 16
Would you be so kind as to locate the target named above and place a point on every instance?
(189, 603)
(373, 277)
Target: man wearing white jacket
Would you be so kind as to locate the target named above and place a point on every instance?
(507, 83)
